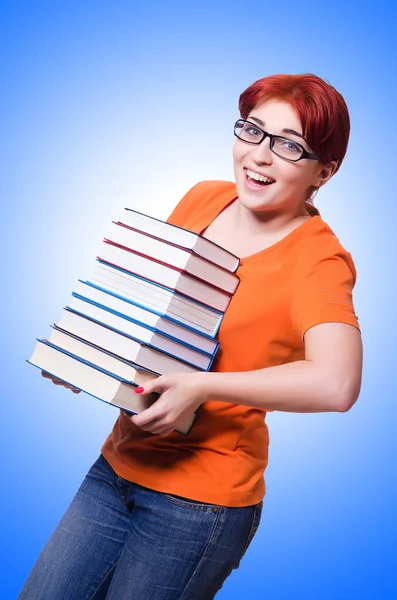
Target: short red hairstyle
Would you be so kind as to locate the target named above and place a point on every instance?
(321, 109)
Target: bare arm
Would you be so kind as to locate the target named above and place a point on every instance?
(329, 378)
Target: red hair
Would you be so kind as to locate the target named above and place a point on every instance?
(322, 110)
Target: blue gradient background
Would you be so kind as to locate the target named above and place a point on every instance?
(93, 95)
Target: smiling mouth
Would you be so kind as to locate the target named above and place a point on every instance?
(258, 179)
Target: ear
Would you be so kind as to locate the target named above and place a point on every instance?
(325, 173)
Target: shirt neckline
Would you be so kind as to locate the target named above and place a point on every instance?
(297, 232)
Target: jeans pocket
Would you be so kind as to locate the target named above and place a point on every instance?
(256, 519)
(190, 504)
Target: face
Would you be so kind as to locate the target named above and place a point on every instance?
(287, 182)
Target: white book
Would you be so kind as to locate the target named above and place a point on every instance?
(164, 275)
(173, 256)
(93, 381)
(167, 326)
(141, 333)
(158, 299)
(182, 237)
(102, 359)
(122, 346)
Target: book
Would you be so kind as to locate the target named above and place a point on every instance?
(140, 333)
(85, 351)
(181, 237)
(164, 324)
(173, 256)
(121, 345)
(165, 275)
(153, 306)
(157, 298)
(96, 382)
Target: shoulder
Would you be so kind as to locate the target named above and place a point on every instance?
(203, 197)
(210, 190)
(322, 280)
(321, 245)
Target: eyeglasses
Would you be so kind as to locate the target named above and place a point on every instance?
(252, 134)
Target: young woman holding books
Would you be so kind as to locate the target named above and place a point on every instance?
(166, 516)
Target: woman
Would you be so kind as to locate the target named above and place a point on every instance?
(163, 516)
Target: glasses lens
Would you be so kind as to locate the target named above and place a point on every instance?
(286, 148)
(248, 132)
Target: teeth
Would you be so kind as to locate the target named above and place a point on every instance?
(257, 177)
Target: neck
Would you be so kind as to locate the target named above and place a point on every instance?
(270, 221)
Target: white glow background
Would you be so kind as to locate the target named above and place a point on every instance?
(109, 104)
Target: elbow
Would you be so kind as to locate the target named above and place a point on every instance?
(345, 396)
(345, 405)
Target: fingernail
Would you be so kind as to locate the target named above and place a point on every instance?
(139, 390)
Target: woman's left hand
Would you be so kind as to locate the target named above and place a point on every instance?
(180, 395)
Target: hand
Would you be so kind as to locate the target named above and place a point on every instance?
(59, 382)
(180, 395)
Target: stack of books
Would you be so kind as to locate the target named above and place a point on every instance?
(153, 305)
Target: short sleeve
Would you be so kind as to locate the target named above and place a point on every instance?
(201, 204)
(324, 294)
(179, 215)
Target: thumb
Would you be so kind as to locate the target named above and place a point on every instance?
(156, 384)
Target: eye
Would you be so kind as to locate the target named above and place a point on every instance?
(287, 147)
(290, 146)
(252, 131)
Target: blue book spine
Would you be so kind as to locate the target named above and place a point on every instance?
(88, 363)
(145, 325)
(210, 359)
(130, 363)
(93, 366)
(219, 314)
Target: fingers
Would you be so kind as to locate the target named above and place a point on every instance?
(46, 375)
(153, 427)
(147, 417)
(150, 386)
(68, 386)
(165, 432)
(57, 381)
(157, 428)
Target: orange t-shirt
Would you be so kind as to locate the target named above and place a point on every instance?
(303, 280)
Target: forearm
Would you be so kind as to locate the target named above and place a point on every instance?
(300, 386)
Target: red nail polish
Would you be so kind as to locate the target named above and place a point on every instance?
(139, 390)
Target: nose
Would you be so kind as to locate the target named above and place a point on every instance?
(262, 153)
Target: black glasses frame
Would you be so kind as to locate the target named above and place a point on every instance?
(265, 134)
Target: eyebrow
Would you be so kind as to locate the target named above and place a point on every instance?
(290, 131)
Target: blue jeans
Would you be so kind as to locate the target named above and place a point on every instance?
(121, 541)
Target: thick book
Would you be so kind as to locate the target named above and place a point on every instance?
(121, 345)
(97, 382)
(101, 358)
(121, 306)
(160, 300)
(189, 240)
(165, 275)
(171, 255)
(140, 333)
